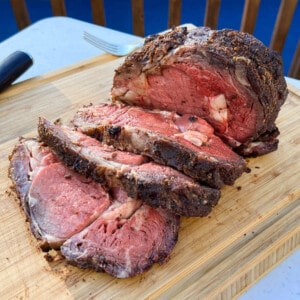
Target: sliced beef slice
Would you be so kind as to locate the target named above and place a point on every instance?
(125, 240)
(156, 185)
(57, 201)
(186, 142)
(227, 77)
(67, 211)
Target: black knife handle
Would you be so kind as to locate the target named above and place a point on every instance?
(12, 67)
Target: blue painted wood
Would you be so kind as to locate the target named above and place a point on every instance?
(118, 17)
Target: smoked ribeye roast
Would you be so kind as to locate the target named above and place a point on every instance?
(93, 228)
(185, 142)
(117, 209)
(227, 77)
(155, 184)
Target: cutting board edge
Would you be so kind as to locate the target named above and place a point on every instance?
(267, 259)
(290, 205)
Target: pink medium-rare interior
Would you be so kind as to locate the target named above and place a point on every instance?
(126, 239)
(123, 246)
(63, 202)
(210, 94)
(104, 152)
(192, 132)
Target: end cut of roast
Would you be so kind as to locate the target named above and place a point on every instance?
(108, 232)
(227, 77)
(58, 202)
(186, 143)
(125, 240)
(156, 185)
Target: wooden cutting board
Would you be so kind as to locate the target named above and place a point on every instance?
(255, 225)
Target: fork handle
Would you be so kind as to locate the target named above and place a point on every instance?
(12, 67)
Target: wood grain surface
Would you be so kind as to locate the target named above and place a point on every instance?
(255, 225)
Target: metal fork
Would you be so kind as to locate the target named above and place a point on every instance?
(112, 48)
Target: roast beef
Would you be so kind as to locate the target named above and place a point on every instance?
(67, 211)
(186, 142)
(156, 185)
(124, 241)
(58, 202)
(227, 77)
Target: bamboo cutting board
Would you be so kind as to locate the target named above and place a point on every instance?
(255, 225)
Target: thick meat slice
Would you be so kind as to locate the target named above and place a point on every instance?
(227, 77)
(125, 240)
(156, 185)
(186, 142)
(57, 201)
(115, 233)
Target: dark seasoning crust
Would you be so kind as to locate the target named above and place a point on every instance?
(264, 71)
(263, 68)
(155, 48)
